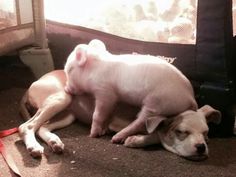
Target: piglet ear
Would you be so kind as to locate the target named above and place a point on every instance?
(81, 54)
(153, 122)
(97, 44)
(211, 114)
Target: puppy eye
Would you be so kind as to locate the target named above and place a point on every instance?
(181, 134)
(205, 134)
(206, 139)
(178, 131)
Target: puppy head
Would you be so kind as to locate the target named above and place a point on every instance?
(186, 133)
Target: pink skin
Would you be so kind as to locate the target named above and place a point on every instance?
(142, 80)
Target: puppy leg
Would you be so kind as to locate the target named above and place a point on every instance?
(54, 142)
(32, 145)
(138, 141)
(52, 105)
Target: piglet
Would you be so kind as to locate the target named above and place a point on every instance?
(142, 80)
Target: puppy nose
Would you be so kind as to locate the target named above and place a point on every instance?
(201, 148)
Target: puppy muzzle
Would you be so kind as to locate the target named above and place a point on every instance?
(201, 153)
(198, 157)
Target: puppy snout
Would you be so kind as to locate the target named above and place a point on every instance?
(201, 148)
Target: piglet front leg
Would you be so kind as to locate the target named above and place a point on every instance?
(104, 106)
(139, 141)
(138, 125)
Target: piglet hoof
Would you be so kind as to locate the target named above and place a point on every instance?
(97, 132)
(118, 139)
(133, 141)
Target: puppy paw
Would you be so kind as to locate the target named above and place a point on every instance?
(36, 150)
(56, 144)
(32, 145)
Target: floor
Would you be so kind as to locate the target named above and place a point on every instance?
(90, 157)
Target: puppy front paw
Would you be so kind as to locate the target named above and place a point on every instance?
(56, 144)
(32, 145)
(36, 150)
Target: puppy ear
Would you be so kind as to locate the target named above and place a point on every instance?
(81, 54)
(211, 114)
(153, 122)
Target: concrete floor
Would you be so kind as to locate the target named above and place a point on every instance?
(88, 157)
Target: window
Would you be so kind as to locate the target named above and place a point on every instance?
(167, 21)
(234, 17)
(13, 13)
(7, 14)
